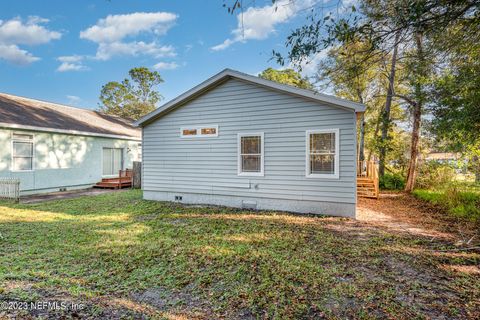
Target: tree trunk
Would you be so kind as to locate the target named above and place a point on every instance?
(377, 128)
(386, 111)
(412, 165)
(361, 149)
(417, 115)
(476, 168)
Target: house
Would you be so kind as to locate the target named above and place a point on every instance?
(242, 141)
(52, 147)
(443, 157)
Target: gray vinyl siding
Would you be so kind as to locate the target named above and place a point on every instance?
(209, 165)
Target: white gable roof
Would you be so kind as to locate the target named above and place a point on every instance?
(228, 74)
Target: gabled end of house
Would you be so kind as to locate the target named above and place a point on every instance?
(227, 74)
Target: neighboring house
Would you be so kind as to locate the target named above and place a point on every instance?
(52, 147)
(443, 157)
(242, 141)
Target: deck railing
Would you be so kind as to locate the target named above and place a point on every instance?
(369, 170)
(10, 189)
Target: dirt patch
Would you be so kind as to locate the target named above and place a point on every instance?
(185, 302)
(404, 213)
(38, 198)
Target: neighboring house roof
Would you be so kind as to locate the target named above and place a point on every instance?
(29, 114)
(229, 74)
(442, 156)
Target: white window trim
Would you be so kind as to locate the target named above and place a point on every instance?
(12, 139)
(199, 132)
(239, 154)
(336, 174)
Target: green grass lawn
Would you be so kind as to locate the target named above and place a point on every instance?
(125, 256)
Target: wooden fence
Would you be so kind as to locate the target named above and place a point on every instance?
(10, 189)
(137, 174)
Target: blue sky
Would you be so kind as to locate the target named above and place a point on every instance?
(64, 51)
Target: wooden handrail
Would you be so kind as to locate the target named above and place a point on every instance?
(369, 170)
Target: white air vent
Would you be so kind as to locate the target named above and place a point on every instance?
(248, 204)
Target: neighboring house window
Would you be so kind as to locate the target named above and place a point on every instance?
(322, 153)
(250, 154)
(199, 131)
(139, 152)
(22, 152)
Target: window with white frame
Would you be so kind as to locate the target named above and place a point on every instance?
(322, 153)
(22, 152)
(199, 131)
(250, 154)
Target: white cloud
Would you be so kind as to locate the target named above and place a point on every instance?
(259, 23)
(74, 58)
(15, 55)
(310, 65)
(116, 27)
(110, 33)
(166, 66)
(16, 32)
(71, 63)
(107, 50)
(224, 45)
(66, 66)
(73, 100)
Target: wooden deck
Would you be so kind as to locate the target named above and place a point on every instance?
(367, 179)
(124, 180)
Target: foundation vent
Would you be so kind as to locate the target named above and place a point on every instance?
(249, 204)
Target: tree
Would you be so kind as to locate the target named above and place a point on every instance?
(455, 95)
(419, 70)
(386, 119)
(416, 24)
(286, 76)
(132, 98)
(353, 77)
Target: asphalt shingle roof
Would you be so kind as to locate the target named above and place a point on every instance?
(15, 110)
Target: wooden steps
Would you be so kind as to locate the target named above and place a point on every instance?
(113, 184)
(124, 180)
(366, 188)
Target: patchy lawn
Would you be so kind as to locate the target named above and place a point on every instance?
(123, 257)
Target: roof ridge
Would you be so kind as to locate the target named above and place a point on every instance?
(315, 92)
(50, 102)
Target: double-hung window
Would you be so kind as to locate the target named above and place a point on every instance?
(250, 154)
(22, 152)
(322, 160)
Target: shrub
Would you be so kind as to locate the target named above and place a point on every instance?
(433, 174)
(463, 204)
(392, 181)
